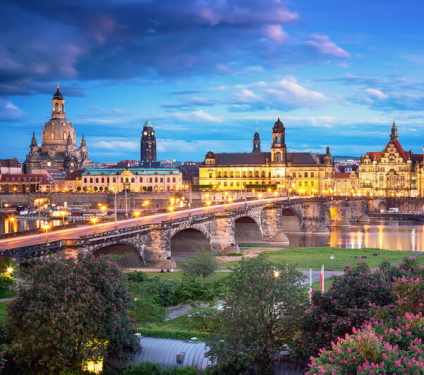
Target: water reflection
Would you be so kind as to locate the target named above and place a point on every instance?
(13, 225)
(389, 235)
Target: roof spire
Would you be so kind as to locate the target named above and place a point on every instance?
(256, 126)
(394, 133)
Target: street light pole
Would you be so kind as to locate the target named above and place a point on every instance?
(116, 224)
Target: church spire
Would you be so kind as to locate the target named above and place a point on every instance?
(394, 133)
(256, 140)
(33, 140)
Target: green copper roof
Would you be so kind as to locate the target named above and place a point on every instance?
(148, 124)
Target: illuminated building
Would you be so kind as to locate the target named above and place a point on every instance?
(295, 172)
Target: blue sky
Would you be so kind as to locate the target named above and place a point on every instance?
(337, 72)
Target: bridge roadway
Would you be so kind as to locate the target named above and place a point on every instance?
(86, 230)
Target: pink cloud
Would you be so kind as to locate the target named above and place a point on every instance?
(276, 33)
(325, 46)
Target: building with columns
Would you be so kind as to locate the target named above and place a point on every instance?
(58, 143)
(297, 172)
(392, 172)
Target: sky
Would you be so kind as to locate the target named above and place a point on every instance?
(205, 72)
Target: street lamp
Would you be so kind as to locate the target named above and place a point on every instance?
(9, 270)
(63, 213)
(137, 214)
(46, 227)
(103, 208)
(171, 209)
(93, 221)
(146, 205)
(332, 262)
(208, 203)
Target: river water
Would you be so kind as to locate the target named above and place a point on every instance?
(379, 234)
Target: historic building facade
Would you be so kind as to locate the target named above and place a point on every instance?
(294, 172)
(59, 144)
(148, 143)
(392, 172)
(131, 179)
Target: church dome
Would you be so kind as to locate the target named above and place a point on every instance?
(210, 155)
(278, 124)
(56, 133)
(57, 95)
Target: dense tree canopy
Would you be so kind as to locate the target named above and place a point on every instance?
(71, 311)
(261, 316)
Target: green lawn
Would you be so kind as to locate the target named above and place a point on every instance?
(3, 311)
(315, 257)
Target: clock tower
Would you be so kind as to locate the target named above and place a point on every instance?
(148, 143)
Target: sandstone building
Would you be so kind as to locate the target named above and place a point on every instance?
(303, 173)
(58, 145)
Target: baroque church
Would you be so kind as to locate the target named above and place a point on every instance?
(58, 148)
(297, 172)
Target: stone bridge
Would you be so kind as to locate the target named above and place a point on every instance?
(219, 232)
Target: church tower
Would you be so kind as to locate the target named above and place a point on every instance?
(148, 143)
(278, 146)
(394, 134)
(256, 140)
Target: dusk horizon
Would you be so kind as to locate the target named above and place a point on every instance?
(207, 74)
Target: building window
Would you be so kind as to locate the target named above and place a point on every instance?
(97, 180)
(306, 174)
(312, 174)
(210, 174)
(294, 174)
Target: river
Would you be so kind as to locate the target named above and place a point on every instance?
(379, 234)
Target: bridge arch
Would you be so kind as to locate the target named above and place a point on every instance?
(129, 254)
(247, 230)
(291, 220)
(188, 241)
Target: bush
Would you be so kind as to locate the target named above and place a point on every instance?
(137, 277)
(6, 282)
(204, 264)
(144, 368)
(198, 289)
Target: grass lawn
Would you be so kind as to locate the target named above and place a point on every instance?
(176, 275)
(178, 324)
(315, 257)
(3, 311)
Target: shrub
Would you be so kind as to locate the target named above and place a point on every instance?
(6, 282)
(204, 264)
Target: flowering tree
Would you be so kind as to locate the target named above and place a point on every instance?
(261, 316)
(71, 312)
(381, 348)
(348, 302)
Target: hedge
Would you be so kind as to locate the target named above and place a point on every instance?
(175, 335)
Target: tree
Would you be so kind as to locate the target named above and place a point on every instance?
(204, 264)
(393, 347)
(347, 304)
(72, 311)
(260, 317)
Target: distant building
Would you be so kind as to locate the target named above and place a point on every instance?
(58, 146)
(346, 183)
(148, 143)
(190, 173)
(24, 183)
(392, 172)
(132, 179)
(10, 166)
(298, 172)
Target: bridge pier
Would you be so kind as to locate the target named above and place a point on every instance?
(272, 222)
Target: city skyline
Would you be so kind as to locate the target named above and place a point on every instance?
(337, 74)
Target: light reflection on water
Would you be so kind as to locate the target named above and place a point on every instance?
(388, 235)
(19, 225)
